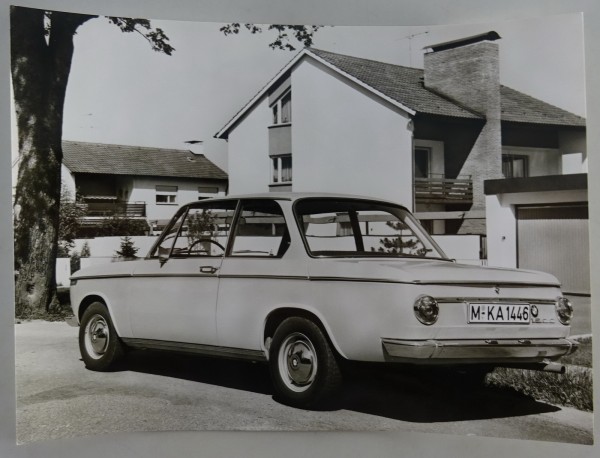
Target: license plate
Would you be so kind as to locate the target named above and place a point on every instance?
(498, 313)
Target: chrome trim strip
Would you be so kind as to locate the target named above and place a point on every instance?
(341, 279)
(157, 275)
(506, 284)
(440, 282)
(494, 300)
(93, 277)
(267, 277)
(207, 350)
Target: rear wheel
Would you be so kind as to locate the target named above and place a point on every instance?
(99, 343)
(303, 367)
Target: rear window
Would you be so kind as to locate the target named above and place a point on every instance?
(348, 227)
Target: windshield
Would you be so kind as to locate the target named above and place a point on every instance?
(349, 227)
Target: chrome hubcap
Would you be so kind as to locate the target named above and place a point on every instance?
(297, 362)
(96, 336)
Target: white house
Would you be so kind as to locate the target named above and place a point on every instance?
(138, 182)
(427, 138)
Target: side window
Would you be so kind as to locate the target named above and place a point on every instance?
(260, 230)
(202, 231)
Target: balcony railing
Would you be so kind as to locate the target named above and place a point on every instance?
(443, 191)
(107, 209)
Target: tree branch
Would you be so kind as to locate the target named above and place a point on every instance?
(156, 37)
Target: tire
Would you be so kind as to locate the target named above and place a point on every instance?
(303, 368)
(100, 346)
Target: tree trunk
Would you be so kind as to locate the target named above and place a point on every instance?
(40, 68)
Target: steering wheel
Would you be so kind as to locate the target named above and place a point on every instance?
(204, 251)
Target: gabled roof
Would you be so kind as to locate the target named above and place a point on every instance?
(404, 87)
(100, 158)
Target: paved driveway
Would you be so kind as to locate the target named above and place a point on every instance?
(58, 398)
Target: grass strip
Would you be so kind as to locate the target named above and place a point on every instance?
(572, 389)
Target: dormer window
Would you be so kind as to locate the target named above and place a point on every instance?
(282, 109)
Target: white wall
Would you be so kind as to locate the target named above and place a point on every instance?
(144, 190)
(105, 247)
(463, 248)
(573, 145)
(542, 161)
(501, 224)
(248, 150)
(67, 180)
(346, 140)
(63, 272)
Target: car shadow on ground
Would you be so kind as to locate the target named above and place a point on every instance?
(372, 390)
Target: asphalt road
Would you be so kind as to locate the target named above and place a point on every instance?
(58, 398)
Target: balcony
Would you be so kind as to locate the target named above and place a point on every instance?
(443, 190)
(108, 209)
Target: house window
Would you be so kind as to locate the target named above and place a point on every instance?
(515, 166)
(282, 109)
(281, 169)
(422, 161)
(166, 194)
(207, 191)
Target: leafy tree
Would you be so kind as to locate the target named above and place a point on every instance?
(127, 249)
(75, 260)
(76, 257)
(42, 51)
(201, 225)
(85, 250)
(70, 214)
(300, 33)
(120, 225)
(397, 245)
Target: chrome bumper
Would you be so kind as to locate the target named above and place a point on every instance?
(493, 350)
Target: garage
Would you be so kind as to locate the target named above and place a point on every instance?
(555, 239)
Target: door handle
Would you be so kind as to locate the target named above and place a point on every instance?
(208, 269)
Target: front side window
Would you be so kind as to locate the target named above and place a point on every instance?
(281, 169)
(260, 230)
(345, 227)
(166, 194)
(200, 231)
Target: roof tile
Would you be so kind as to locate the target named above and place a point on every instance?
(405, 85)
(100, 158)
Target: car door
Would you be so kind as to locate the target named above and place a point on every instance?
(176, 287)
(261, 272)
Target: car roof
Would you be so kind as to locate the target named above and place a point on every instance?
(293, 196)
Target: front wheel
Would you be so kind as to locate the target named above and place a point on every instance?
(303, 367)
(99, 343)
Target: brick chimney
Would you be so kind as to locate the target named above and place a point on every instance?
(467, 72)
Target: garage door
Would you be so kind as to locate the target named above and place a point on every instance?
(555, 239)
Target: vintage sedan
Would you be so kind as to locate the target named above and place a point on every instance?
(306, 282)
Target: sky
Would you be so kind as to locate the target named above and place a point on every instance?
(122, 92)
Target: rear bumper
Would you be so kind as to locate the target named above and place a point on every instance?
(477, 351)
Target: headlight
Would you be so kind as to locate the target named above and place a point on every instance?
(426, 310)
(564, 310)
